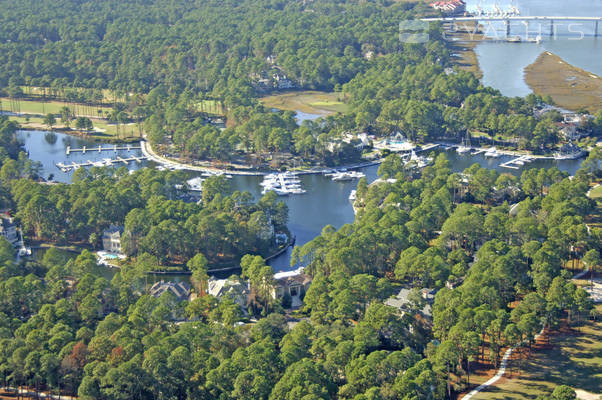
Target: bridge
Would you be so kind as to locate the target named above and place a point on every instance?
(507, 19)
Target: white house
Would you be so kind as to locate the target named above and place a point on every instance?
(111, 239)
(8, 229)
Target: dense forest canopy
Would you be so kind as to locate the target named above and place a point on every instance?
(493, 249)
(134, 46)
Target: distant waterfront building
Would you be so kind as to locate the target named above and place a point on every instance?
(450, 7)
(111, 239)
(180, 290)
(8, 229)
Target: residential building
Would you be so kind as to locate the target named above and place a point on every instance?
(111, 239)
(237, 290)
(402, 302)
(568, 130)
(292, 283)
(8, 229)
(181, 290)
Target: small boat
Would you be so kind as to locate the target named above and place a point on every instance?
(353, 196)
(417, 161)
(515, 39)
(23, 251)
(492, 152)
(464, 146)
(282, 184)
(346, 176)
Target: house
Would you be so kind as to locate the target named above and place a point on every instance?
(237, 290)
(282, 82)
(181, 290)
(111, 239)
(8, 229)
(568, 130)
(402, 301)
(292, 283)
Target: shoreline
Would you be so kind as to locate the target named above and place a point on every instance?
(569, 86)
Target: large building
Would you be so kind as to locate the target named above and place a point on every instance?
(450, 7)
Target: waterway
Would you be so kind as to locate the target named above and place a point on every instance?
(325, 203)
(503, 63)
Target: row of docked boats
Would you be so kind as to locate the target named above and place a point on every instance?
(344, 175)
(282, 184)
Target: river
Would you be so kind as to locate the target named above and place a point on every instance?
(325, 203)
(503, 63)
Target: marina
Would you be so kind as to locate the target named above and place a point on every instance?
(100, 148)
(66, 167)
(516, 163)
(282, 184)
(325, 202)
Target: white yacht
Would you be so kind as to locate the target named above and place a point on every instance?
(492, 152)
(464, 146)
(353, 196)
(346, 176)
(418, 161)
(282, 184)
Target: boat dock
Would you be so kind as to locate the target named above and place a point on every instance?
(115, 148)
(516, 163)
(428, 147)
(66, 167)
(478, 151)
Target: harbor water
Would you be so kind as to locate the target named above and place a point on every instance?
(503, 63)
(325, 203)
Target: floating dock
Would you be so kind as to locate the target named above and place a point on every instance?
(115, 148)
(66, 167)
(516, 163)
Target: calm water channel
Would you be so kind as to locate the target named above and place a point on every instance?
(503, 63)
(326, 202)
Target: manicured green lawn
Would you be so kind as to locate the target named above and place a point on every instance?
(573, 358)
(54, 107)
(312, 102)
(596, 193)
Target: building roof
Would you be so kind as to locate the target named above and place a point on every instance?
(112, 230)
(6, 222)
(180, 289)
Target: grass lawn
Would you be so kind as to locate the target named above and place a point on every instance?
(596, 193)
(312, 102)
(43, 108)
(105, 130)
(210, 107)
(573, 358)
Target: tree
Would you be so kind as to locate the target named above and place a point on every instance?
(305, 379)
(591, 259)
(198, 266)
(49, 120)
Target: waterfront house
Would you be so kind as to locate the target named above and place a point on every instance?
(402, 301)
(568, 130)
(111, 239)
(8, 229)
(181, 290)
(232, 287)
(291, 283)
